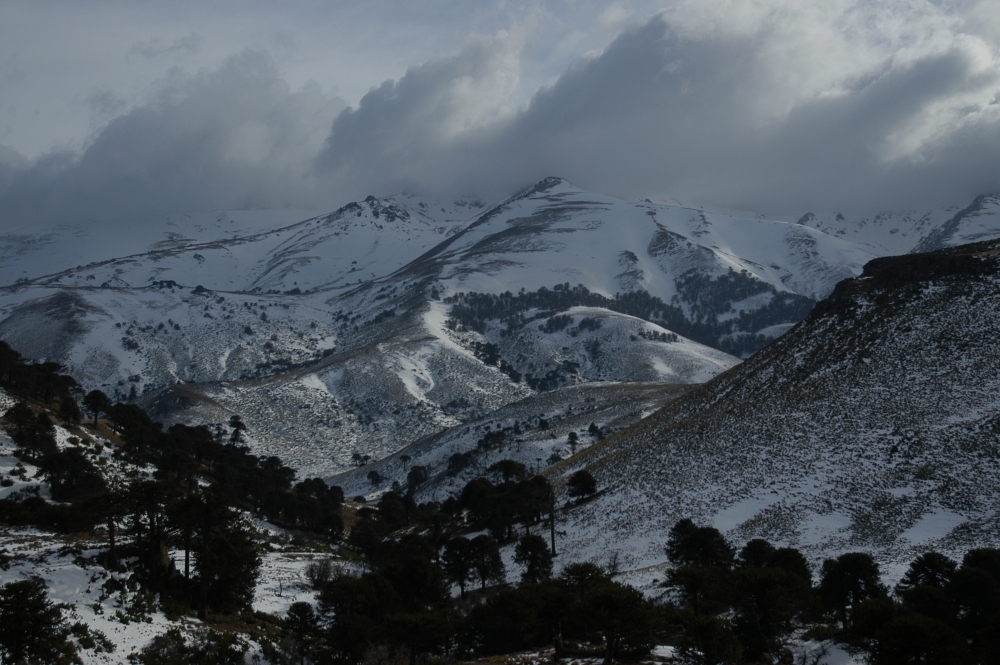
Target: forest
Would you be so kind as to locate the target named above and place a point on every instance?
(429, 582)
(701, 311)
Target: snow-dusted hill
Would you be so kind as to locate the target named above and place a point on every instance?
(611, 246)
(534, 431)
(873, 425)
(892, 233)
(229, 251)
(359, 331)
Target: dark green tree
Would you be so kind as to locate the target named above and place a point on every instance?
(868, 618)
(69, 412)
(226, 555)
(355, 610)
(689, 544)
(20, 416)
(236, 437)
(702, 589)
(707, 640)
(929, 569)
(766, 602)
(848, 580)
(911, 639)
(72, 476)
(301, 643)
(97, 403)
(756, 554)
(975, 595)
(509, 470)
(457, 561)
(416, 477)
(32, 628)
(625, 620)
(487, 565)
(533, 553)
(581, 484)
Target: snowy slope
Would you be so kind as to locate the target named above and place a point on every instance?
(886, 232)
(556, 233)
(352, 321)
(870, 426)
(891, 233)
(975, 223)
(410, 382)
(228, 251)
(108, 602)
(607, 406)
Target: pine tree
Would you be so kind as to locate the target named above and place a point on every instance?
(236, 437)
(486, 562)
(582, 484)
(533, 553)
(32, 628)
(97, 403)
(457, 561)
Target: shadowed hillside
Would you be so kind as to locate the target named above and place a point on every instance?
(872, 425)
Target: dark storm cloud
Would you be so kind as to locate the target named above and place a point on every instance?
(233, 138)
(661, 113)
(792, 113)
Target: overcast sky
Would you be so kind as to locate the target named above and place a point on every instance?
(127, 110)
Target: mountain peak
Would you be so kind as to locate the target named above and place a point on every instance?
(544, 185)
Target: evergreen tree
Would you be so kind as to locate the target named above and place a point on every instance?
(848, 580)
(625, 620)
(509, 470)
(416, 477)
(929, 569)
(227, 557)
(301, 646)
(32, 628)
(533, 553)
(21, 417)
(72, 477)
(708, 641)
(457, 561)
(97, 403)
(918, 639)
(582, 484)
(487, 565)
(236, 437)
(689, 544)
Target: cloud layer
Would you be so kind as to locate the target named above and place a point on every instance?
(791, 111)
(233, 138)
(774, 106)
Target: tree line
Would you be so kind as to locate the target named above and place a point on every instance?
(429, 579)
(190, 489)
(707, 299)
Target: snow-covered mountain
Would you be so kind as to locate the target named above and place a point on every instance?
(238, 251)
(872, 425)
(895, 232)
(386, 321)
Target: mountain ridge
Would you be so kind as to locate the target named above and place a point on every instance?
(442, 310)
(870, 425)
